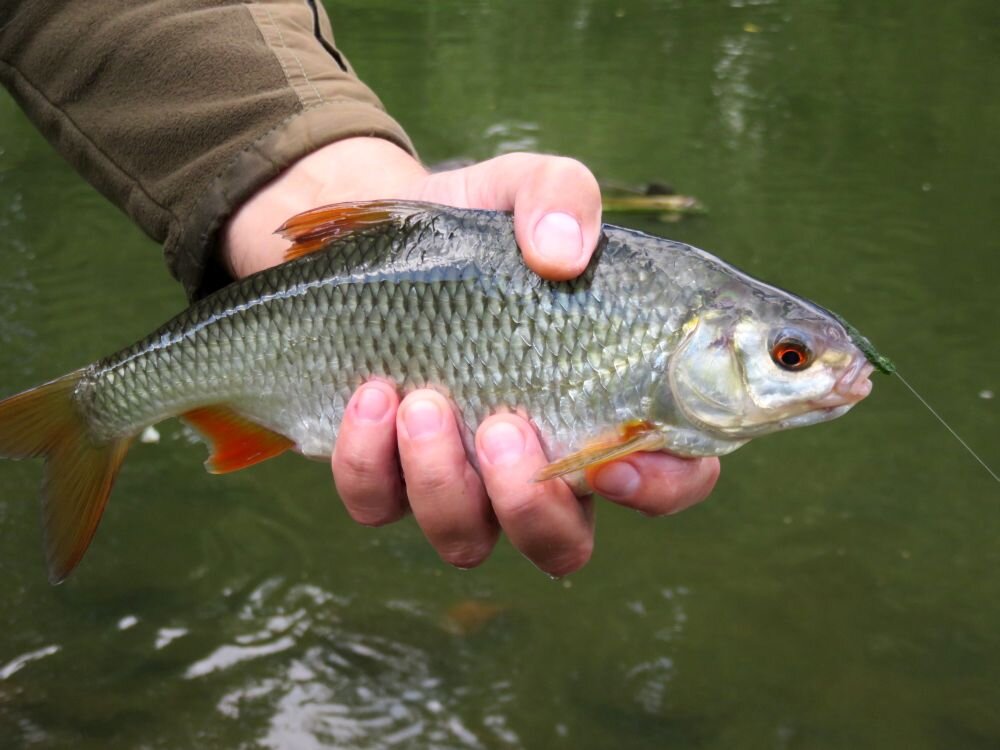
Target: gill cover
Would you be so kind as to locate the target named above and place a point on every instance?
(705, 375)
(728, 377)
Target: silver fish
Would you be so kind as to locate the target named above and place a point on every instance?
(656, 346)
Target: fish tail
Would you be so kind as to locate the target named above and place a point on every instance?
(79, 473)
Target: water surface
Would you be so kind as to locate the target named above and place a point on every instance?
(839, 590)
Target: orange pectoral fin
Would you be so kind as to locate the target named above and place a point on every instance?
(313, 230)
(603, 452)
(234, 440)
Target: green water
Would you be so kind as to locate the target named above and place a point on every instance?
(842, 587)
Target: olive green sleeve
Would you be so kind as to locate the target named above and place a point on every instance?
(179, 110)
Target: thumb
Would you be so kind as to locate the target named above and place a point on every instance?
(556, 203)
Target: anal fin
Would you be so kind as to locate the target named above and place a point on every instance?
(234, 440)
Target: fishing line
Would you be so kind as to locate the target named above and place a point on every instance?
(946, 425)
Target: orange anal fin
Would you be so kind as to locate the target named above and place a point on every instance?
(234, 440)
(602, 452)
(315, 229)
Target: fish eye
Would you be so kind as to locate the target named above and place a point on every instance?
(791, 353)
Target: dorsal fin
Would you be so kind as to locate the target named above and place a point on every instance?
(313, 230)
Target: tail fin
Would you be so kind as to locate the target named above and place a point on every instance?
(78, 473)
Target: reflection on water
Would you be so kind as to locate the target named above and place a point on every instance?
(369, 693)
(15, 664)
(338, 687)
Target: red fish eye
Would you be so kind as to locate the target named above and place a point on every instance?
(790, 354)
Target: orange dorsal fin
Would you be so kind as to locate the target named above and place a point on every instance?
(315, 229)
(234, 440)
(632, 438)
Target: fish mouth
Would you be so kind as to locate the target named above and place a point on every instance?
(852, 386)
(815, 416)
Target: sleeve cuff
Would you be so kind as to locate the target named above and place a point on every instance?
(191, 249)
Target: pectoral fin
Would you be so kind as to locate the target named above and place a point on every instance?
(602, 452)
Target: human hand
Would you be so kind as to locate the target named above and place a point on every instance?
(557, 217)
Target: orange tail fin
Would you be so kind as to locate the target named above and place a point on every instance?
(43, 422)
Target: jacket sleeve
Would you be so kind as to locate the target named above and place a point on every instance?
(179, 110)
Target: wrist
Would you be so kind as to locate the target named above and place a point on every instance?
(353, 169)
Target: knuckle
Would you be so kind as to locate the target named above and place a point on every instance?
(521, 507)
(566, 164)
(370, 490)
(572, 169)
(435, 470)
(370, 503)
(356, 466)
(431, 480)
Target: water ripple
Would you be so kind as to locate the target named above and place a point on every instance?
(17, 663)
(311, 681)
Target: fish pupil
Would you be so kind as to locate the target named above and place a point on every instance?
(791, 354)
(791, 357)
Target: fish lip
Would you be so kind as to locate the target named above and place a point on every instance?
(853, 385)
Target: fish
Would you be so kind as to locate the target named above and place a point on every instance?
(656, 346)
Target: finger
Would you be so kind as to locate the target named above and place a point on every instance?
(446, 494)
(544, 520)
(365, 465)
(556, 203)
(656, 484)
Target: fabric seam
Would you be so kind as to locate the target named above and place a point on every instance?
(286, 48)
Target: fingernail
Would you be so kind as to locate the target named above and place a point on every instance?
(421, 418)
(617, 480)
(503, 444)
(558, 238)
(372, 404)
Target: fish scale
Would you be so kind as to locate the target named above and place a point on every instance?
(325, 332)
(656, 344)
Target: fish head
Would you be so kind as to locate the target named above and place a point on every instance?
(779, 362)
